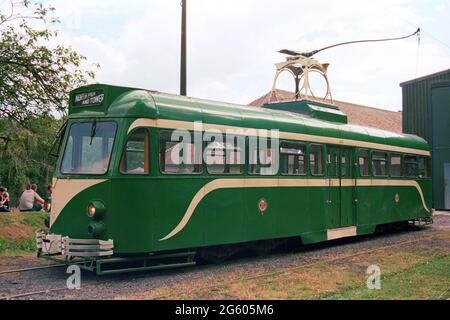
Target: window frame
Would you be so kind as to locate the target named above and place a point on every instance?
(67, 136)
(200, 165)
(251, 165)
(427, 167)
(226, 164)
(305, 158)
(369, 160)
(147, 132)
(348, 172)
(385, 160)
(323, 158)
(399, 155)
(58, 141)
(416, 176)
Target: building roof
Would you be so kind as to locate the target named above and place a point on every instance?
(357, 114)
(427, 77)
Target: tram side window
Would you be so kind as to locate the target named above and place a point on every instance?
(135, 156)
(224, 156)
(364, 163)
(178, 153)
(292, 158)
(345, 166)
(424, 167)
(379, 164)
(316, 159)
(396, 165)
(411, 167)
(263, 158)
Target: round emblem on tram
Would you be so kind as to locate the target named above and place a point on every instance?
(262, 205)
(397, 198)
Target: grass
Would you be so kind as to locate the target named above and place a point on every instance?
(429, 279)
(419, 270)
(17, 231)
(35, 219)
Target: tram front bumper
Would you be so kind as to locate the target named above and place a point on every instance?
(54, 244)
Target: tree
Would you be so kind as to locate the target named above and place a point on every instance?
(24, 153)
(35, 79)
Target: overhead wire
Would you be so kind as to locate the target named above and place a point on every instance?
(424, 30)
(417, 32)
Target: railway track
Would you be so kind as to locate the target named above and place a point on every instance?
(27, 269)
(260, 275)
(32, 268)
(31, 293)
(56, 265)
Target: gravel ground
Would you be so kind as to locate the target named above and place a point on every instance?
(112, 286)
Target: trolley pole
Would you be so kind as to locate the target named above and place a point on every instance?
(183, 49)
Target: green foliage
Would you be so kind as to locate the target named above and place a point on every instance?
(35, 77)
(24, 153)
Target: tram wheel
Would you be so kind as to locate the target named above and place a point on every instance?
(263, 248)
(216, 254)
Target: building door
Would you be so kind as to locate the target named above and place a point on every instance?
(447, 185)
(440, 109)
(341, 188)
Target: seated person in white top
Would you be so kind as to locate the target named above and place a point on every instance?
(30, 199)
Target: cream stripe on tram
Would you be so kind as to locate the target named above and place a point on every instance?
(65, 190)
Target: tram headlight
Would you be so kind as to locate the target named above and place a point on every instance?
(91, 210)
(95, 209)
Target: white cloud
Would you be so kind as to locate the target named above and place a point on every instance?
(232, 44)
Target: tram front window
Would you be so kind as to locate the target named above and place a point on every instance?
(88, 147)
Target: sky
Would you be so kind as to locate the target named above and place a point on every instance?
(232, 45)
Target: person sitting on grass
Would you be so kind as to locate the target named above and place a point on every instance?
(30, 199)
(4, 200)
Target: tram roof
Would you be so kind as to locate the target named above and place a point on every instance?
(304, 116)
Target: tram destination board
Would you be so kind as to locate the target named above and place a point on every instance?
(88, 99)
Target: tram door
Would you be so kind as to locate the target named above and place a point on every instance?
(341, 189)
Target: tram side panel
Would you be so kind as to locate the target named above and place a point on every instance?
(133, 206)
(381, 204)
(224, 216)
(177, 224)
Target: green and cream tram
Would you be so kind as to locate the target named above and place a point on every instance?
(122, 194)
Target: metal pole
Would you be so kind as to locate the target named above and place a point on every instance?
(297, 87)
(183, 49)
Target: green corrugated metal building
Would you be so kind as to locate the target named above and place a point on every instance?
(426, 113)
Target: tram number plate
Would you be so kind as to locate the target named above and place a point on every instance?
(87, 99)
